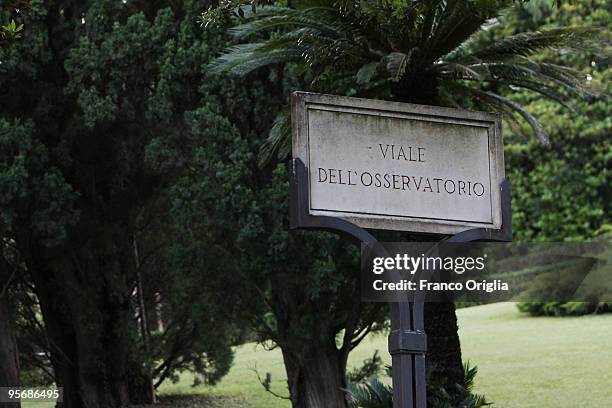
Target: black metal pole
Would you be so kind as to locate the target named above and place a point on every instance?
(407, 346)
(407, 340)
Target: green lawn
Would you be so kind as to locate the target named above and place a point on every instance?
(539, 361)
(523, 362)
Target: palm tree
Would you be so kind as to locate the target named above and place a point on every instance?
(409, 51)
(420, 51)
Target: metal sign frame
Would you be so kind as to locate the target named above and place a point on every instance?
(407, 342)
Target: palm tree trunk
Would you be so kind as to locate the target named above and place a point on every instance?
(443, 348)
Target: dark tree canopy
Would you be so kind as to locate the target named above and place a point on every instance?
(97, 89)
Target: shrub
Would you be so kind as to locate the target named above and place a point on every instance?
(564, 308)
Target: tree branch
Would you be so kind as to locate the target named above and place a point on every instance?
(266, 384)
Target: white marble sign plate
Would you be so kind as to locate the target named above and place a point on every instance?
(397, 166)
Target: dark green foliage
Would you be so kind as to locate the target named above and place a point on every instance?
(89, 173)
(181, 117)
(151, 164)
(375, 394)
(564, 309)
(371, 394)
(563, 191)
(438, 396)
(434, 52)
(31, 182)
(298, 289)
(411, 51)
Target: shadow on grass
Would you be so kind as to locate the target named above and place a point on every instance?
(199, 401)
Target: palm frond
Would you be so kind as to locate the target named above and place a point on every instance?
(347, 46)
(366, 73)
(278, 143)
(304, 4)
(474, 401)
(500, 104)
(549, 92)
(396, 64)
(518, 71)
(458, 71)
(459, 20)
(537, 127)
(318, 36)
(322, 20)
(537, 72)
(569, 78)
(382, 392)
(372, 394)
(359, 396)
(242, 59)
(527, 44)
(469, 377)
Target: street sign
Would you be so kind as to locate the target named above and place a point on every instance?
(360, 163)
(398, 166)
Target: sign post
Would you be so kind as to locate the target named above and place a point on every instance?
(366, 164)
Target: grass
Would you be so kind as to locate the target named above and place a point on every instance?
(538, 361)
(241, 382)
(523, 362)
